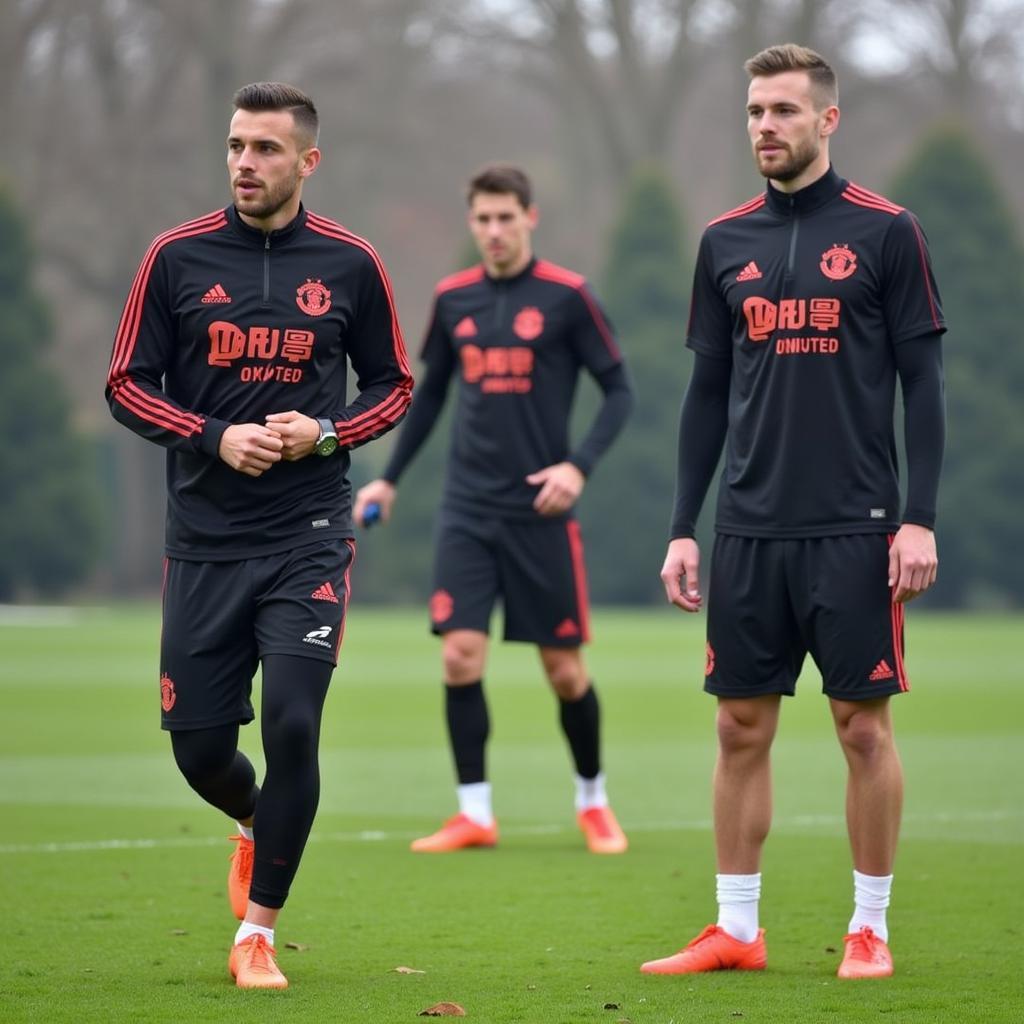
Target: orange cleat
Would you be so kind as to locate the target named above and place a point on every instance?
(713, 950)
(602, 831)
(458, 833)
(252, 964)
(240, 875)
(866, 956)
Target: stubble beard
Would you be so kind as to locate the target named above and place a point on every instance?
(271, 201)
(799, 159)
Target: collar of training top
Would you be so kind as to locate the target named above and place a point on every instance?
(257, 236)
(817, 194)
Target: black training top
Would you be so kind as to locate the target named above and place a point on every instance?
(225, 324)
(807, 295)
(518, 344)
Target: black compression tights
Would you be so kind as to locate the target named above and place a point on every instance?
(294, 690)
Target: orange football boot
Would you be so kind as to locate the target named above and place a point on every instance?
(866, 956)
(602, 831)
(713, 950)
(458, 833)
(240, 875)
(252, 964)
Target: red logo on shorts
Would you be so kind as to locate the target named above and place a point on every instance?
(313, 298)
(529, 323)
(167, 694)
(838, 263)
(325, 592)
(566, 628)
(709, 661)
(441, 606)
(881, 671)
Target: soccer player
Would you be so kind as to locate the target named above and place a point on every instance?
(232, 354)
(808, 302)
(516, 331)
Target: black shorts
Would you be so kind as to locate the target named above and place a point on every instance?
(220, 618)
(770, 602)
(536, 568)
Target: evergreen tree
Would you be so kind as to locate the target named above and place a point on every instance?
(50, 502)
(626, 507)
(979, 263)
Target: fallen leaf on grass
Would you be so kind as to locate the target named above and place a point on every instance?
(613, 1006)
(406, 970)
(178, 931)
(301, 947)
(443, 1010)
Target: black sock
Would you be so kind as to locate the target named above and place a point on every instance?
(581, 723)
(469, 725)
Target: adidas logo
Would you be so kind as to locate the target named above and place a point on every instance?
(567, 628)
(882, 671)
(749, 272)
(465, 328)
(216, 294)
(325, 592)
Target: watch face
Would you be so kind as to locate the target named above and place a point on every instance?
(327, 446)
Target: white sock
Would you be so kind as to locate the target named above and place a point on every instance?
(590, 792)
(870, 900)
(738, 897)
(244, 830)
(475, 802)
(246, 928)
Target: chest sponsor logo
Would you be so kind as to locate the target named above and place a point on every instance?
(465, 328)
(229, 343)
(215, 295)
(838, 263)
(313, 298)
(765, 317)
(749, 273)
(498, 370)
(528, 324)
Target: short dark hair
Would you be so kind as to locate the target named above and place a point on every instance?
(499, 179)
(280, 96)
(792, 57)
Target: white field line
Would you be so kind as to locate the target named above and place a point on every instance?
(373, 836)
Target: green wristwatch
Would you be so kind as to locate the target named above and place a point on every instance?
(327, 442)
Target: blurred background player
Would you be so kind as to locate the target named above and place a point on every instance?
(809, 301)
(235, 321)
(516, 331)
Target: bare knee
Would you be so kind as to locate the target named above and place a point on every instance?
(865, 734)
(565, 672)
(745, 727)
(463, 654)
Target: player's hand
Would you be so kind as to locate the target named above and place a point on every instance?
(682, 562)
(298, 433)
(913, 562)
(560, 486)
(376, 492)
(250, 448)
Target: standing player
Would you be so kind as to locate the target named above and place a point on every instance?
(809, 301)
(235, 321)
(517, 331)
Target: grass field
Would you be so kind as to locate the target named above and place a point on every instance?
(111, 870)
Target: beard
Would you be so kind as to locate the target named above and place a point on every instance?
(792, 164)
(270, 201)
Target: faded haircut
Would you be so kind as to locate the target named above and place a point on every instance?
(500, 179)
(792, 57)
(280, 96)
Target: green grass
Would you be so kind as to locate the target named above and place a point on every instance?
(111, 870)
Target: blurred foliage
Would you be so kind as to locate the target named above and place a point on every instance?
(50, 509)
(979, 263)
(645, 291)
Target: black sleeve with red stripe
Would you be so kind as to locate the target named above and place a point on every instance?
(376, 350)
(911, 298)
(142, 350)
